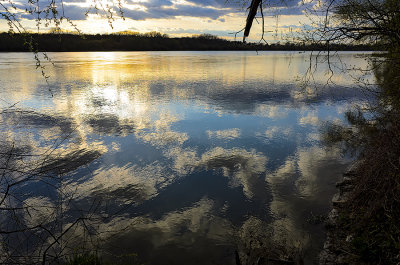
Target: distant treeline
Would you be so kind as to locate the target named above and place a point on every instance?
(152, 41)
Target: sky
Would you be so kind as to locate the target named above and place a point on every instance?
(173, 17)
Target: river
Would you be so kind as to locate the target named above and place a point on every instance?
(179, 157)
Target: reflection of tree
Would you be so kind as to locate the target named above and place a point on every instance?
(37, 208)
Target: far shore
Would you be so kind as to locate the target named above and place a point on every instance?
(66, 42)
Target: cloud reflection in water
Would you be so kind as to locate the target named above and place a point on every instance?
(143, 125)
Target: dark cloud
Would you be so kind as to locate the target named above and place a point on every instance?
(157, 3)
(282, 3)
(212, 9)
(284, 7)
(108, 125)
(196, 31)
(29, 119)
(179, 10)
(157, 9)
(216, 3)
(73, 12)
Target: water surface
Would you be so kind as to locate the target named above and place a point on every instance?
(182, 157)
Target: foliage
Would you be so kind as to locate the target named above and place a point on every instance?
(368, 20)
(372, 212)
(356, 21)
(375, 201)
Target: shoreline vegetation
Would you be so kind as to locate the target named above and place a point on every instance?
(152, 41)
(364, 227)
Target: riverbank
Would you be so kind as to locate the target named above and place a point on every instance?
(336, 248)
(363, 226)
(152, 41)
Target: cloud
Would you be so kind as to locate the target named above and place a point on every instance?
(167, 11)
(272, 112)
(243, 168)
(275, 131)
(312, 170)
(177, 236)
(164, 9)
(139, 10)
(311, 119)
(287, 7)
(216, 11)
(215, 3)
(316, 166)
(71, 10)
(126, 184)
(161, 133)
(75, 12)
(109, 125)
(193, 31)
(41, 211)
(225, 134)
